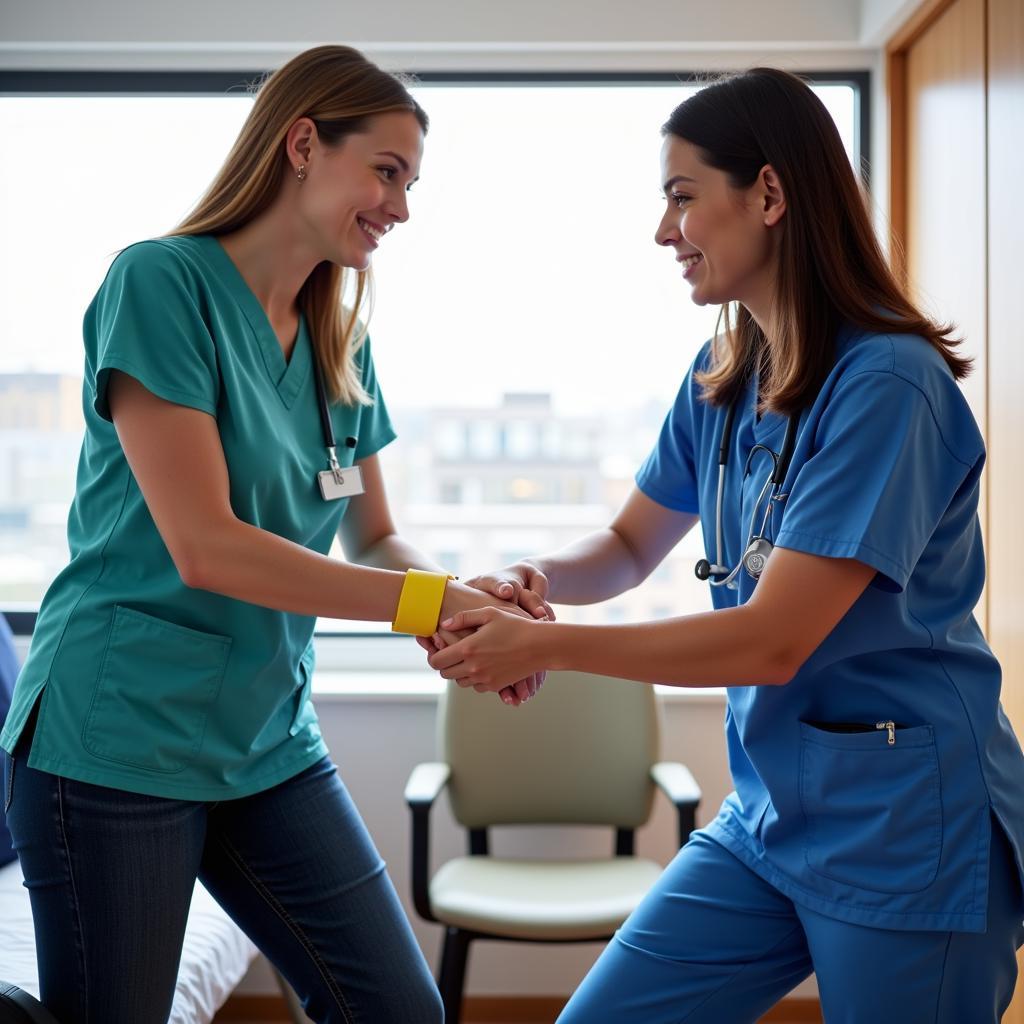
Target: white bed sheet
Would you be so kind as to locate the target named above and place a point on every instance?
(215, 956)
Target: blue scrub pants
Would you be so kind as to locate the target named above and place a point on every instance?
(714, 943)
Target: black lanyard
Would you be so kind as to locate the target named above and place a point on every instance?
(325, 419)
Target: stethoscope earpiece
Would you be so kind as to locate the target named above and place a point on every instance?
(704, 570)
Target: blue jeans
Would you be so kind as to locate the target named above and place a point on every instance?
(111, 873)
(714, 943)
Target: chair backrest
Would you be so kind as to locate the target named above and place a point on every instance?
(579, 753)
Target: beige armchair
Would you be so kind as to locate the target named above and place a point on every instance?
(582, 753)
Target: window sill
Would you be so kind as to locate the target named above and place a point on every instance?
(425, 687)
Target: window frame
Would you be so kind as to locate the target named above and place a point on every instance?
(362, 650)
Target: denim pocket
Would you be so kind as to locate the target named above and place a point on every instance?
(152, 698)
(873, 808)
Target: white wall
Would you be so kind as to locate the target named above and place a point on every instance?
(428, 35)
(787, 23)
(879, 19)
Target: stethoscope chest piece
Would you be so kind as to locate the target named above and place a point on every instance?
(755, 558)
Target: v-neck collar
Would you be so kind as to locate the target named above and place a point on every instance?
(287, 377)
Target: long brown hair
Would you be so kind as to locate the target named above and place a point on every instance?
(831, 267)
(339, 90)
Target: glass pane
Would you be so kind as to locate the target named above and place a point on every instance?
(127, 175)
(529, 335)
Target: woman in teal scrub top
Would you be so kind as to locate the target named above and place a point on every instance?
(162, 727)
(876, 831)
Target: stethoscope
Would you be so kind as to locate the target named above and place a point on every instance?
(757, 547)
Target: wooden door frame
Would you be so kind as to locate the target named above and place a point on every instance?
(896, 49)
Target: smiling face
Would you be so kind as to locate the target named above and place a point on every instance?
(725, 238)
(355, 192)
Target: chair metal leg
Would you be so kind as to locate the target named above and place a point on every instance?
(452, 975)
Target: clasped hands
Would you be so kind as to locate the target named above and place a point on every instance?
(486, 632)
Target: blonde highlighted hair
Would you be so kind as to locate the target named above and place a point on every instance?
(339, 90)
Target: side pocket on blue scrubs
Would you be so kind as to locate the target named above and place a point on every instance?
(873, 808)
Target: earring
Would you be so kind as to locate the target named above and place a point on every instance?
(301, 172)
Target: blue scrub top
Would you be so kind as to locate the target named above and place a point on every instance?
(886, 470)
(145, 684)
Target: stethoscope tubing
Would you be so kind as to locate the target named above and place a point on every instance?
(772, 487)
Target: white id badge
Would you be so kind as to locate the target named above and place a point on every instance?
(347, 484)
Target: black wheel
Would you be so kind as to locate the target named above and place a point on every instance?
(18, 1007)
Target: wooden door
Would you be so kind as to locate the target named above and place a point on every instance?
(945, 189)
(1006, 363)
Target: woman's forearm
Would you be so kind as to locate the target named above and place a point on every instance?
(393, 552)
(250, 564)
(594, 568)
(729, 647)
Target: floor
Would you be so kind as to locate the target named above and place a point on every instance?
(775, 1020)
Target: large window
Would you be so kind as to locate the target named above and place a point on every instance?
(528, 333)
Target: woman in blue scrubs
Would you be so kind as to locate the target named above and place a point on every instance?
(876, 831)
(162, 728)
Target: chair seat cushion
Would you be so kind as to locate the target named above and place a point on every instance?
(540, 900)
(215, 956)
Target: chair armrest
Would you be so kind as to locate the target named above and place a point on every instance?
(425, 783)
(423, 788)
(676, 782)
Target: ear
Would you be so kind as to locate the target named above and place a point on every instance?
(300, 142)
(773, 199)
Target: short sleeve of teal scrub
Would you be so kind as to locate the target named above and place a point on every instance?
(142, 683)
(149, 323)
(882, 475)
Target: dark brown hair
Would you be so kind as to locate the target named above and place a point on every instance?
(340, 91)
(831, 267)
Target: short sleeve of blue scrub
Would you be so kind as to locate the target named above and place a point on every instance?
(884, 470)
(142, 683)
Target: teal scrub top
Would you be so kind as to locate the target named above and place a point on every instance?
(145, 684)
(886, 470)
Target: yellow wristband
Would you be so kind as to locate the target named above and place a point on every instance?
(419, 607)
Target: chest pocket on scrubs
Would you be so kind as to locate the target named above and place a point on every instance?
(156, 685)
(873, 809)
